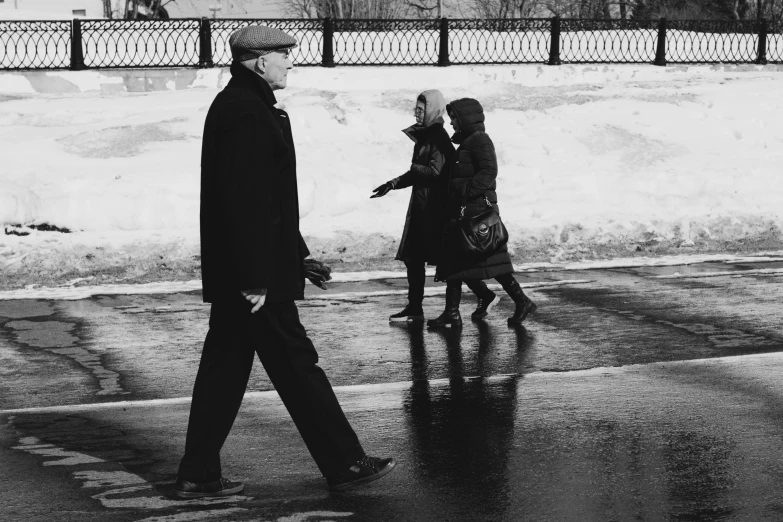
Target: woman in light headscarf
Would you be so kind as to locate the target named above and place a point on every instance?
(421, 237)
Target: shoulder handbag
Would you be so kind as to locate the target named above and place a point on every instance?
(480, 235)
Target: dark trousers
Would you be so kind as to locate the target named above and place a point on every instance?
(416, 280)
(274, 333)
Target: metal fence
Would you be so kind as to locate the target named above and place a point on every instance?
(81, 44)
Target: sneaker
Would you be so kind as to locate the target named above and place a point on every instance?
(408, 314)
(216, 488)
(485, 305)
(363, 471)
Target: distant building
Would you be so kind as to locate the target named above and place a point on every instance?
(52, 9)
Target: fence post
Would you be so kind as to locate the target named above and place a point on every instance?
(205, 44)
(77, 54)
(328, 48)
(554, 43)
(660, 50)
(761, 59)
(443, 43)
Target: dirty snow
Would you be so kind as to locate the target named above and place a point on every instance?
(595, 163)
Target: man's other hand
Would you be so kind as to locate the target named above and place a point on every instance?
(257, 296)
(317, 272)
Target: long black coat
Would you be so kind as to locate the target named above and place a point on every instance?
(249, 202)
(424, 222)
(472, 178)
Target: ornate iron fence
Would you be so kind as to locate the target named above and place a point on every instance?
(699, 41)
(140, 43)
(608, 41)
(35, 45)
(499, 41)
(775, 42)
(386, 42)
(204, 43)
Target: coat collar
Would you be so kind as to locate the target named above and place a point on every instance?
(420, 133)
(244, 78)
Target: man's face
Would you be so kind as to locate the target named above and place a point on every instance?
(274, 67)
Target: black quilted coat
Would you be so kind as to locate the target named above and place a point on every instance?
(249, 204)
(424, 222)
(471, 179)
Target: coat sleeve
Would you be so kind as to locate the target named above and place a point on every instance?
(247, 154)
(426, 175)
(485, 168)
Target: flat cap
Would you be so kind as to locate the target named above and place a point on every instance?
(257, 40)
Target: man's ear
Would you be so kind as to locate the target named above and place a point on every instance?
(261, 64)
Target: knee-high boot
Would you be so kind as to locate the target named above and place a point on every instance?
(451, 316)
(524, 306)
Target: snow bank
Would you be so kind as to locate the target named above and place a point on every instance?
(595, 162)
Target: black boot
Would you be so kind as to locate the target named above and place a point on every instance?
(524, 306)
(409, 314)
(450, 317)
(486, 299)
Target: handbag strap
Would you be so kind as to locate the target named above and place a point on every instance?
(465, 204)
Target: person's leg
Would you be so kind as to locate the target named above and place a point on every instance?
(416, 280)
(226, 361)
(524, 306)
(290, 360)
(451, 316)
(487, 299)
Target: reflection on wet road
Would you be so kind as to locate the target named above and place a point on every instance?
(110, 348)
(617, 401)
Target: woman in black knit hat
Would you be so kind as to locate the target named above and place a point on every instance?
(472, 184)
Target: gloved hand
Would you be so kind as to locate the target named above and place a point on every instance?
(383, 190)
(317, 272)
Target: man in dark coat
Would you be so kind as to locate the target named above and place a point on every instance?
(471, 190)
(253, 269)
(420, 243)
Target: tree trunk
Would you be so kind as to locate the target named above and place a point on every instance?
(623, 13)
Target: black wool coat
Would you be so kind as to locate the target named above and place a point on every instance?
(472, 178)
(249, 201)
(424, 222)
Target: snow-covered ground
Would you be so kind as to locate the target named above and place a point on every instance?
(595, 162)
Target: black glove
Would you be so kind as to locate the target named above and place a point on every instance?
(383, 189)
(317, 272)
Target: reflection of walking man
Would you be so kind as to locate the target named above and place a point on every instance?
(253, 268)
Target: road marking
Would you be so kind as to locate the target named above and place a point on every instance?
(735, 273)
(188, 516)
(128, 482)
(105, 479)
(67, 458)
(302, 517)
(55, 337)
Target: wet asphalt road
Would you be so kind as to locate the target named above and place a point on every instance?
(621, 399)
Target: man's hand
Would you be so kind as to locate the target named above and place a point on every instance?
(382, 190)
(257, 296)
(317, 272)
